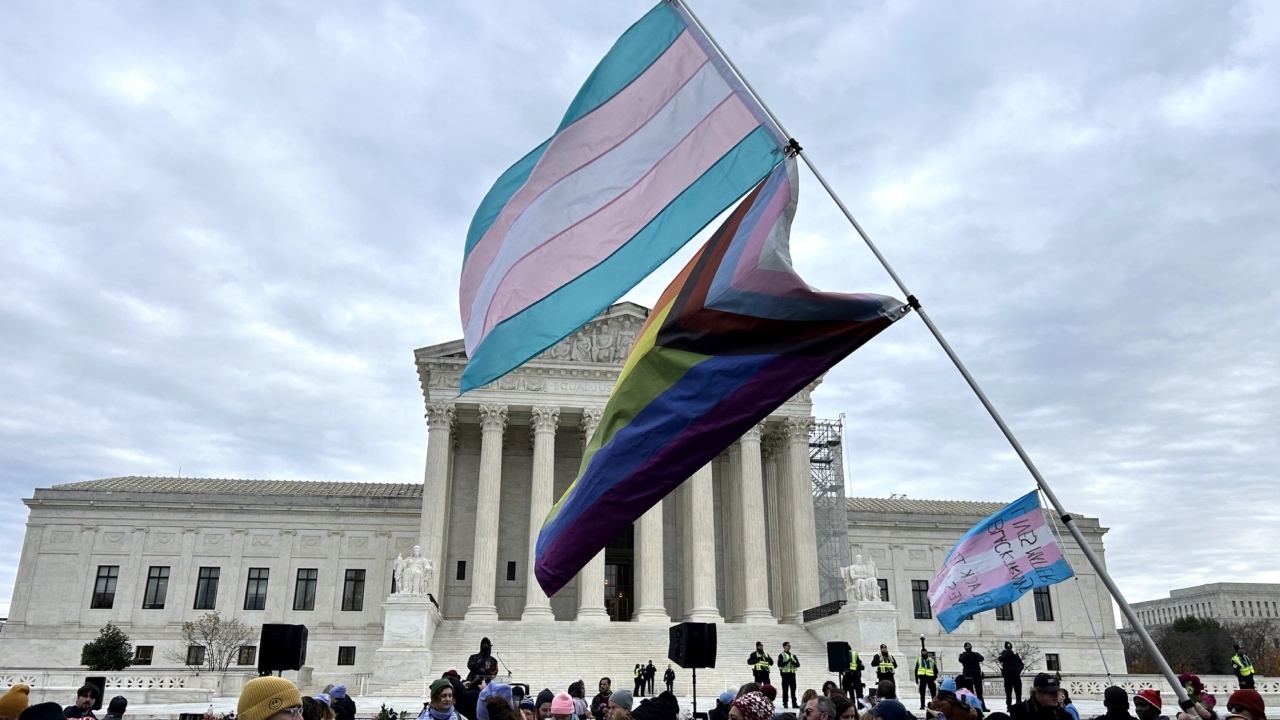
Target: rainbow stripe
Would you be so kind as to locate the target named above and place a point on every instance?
(734, 336)
(657, 143)
(997, 562)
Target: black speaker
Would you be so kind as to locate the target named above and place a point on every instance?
(283, 647)
(99, 682)
(693, 645)
(838, 655)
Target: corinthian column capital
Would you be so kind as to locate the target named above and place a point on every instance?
(544, 419)
(590, 420)
(440, 415)
(493, 417)
(796, 428)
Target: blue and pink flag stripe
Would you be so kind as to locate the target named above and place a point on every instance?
(657, 143)
(997, 562)
(734, 336)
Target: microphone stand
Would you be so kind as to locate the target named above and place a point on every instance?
(504, 664)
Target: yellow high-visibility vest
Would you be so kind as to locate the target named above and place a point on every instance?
(853, 662)
(763, 662)
(787, 662)
(1243, 664)
(924, 666)
(886, 664)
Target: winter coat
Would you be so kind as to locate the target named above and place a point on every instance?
(1010, 664)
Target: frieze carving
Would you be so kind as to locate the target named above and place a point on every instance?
(917, 554)
(212, 539)
(877, 552)
(261, 540)
(61, 536)
(359, 542)
(602, 341)
(402, 543)
(113, 537)
(310, 540)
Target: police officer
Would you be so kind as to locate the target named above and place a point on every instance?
(971, 664)
(851, 679)
(926, 675)
(760, 662)
(787, 664)
(1243, 668)
(1011, 671)
(885, 664)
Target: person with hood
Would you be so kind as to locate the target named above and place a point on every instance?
(482, 665)
(600, 703)
(1043, 703)
(1116, 701)
(496, 694)
(1147, 705)
(669, 678)
(13, 702)
(1011, 671)
(116, 708)
(971, 665)
(344, 708)
(440, 704)
(542, 706)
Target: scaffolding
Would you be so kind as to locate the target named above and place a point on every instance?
(831, 521)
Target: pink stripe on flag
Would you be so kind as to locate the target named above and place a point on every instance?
(943, 596)
(986, 541)
(591, 137)
(585, 245)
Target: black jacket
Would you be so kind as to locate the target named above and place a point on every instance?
(719, 712)
(1031, 710)
(1010, 664)
(971, 664)
(345, 708)
(481, 665)
(759, 656)
(74, 711)
(669, 676)
(1116, 714)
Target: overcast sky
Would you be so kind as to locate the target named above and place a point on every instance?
(224, 227)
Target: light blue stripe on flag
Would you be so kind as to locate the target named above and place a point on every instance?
(951, 618)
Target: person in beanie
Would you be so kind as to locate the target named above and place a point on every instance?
(542, 706)
(1043, 703)
(13, 702)
(890, 709)
(1247, 704)
(621, 699)
(754, 706)
(1116, 701)
(344, 708)
(528, 709)
(1011, 671)
(562, 706)
(116, 708)
(440, 704)
(42, 711)
(269, 698)
(1147, 705)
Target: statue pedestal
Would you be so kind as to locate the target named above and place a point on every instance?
(409, 623)
(864, 624)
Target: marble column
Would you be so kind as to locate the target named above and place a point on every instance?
(493, 422)
(591, 580)
(731, 484)
(542, 421)
(804, 535)
(133, 579)
(702, 539)
(432, 528)
(755, 606)
(650, 591)
(774, 529)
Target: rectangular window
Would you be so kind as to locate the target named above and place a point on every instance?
(255, 593)
(207, 588)
(104, 587)
(347, 655)
(248, 655)
(920, 599)
(462, 569)
(157, 588)
(1234, 611)
(884, 589)
(142, 654)
(1051, 662)
(304, 590)
(511, 571)
(195, 655)
(1044, 605)
(353, 591)
(1005, 612)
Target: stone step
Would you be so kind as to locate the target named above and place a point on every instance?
(555, 654)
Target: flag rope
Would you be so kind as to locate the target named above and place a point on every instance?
(1053, 528)
(1184, 701)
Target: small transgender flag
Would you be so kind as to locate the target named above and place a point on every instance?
(997, 562)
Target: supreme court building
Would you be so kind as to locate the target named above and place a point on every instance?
(739, 544)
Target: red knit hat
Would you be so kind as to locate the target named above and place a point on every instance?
(1249, 700)
(1151, 695)
(754, 706)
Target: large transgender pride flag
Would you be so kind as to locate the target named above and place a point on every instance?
(997, 562)
(733, 337)
(658, 142)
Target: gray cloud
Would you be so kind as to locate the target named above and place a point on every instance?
(226, 227)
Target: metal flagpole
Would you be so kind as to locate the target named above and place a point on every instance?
(1183, 699)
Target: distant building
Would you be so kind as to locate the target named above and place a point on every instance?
(1224, 602)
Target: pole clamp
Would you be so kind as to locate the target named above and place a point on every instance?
(793, 147)
(913, 302)
(1065, 519)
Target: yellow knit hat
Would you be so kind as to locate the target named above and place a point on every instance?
(263, 697)
(15, 701)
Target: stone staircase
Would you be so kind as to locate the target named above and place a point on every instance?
(555, 654)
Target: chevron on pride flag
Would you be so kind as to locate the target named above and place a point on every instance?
(997, 562)
(659, 141)
(734, 336)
